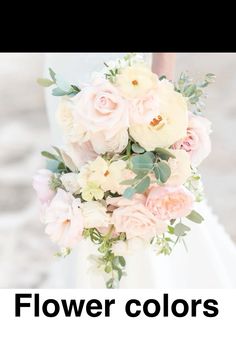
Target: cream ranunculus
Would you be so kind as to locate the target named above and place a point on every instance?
(136, 80)
(169, 125)
(180, 168)
(100, 176)
(73, 131)
(95, 215)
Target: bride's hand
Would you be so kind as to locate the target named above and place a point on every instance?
(164, 64)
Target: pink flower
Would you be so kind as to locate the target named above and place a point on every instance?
(100, 108)
(197, 142)
(169, 202)
(145, 109)
(41, 185)
(133, 218)
(64, 219)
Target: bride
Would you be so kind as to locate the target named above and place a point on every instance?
(210, 261)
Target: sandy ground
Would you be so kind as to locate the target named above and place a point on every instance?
(25, 252)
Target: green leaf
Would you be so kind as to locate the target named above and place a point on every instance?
(52, 74)
(162, 171)
(76, 88)
(122, 261)
(58, 151)
(195, 217)
(143, 185)
(58, 92)
(127, 182)
(142, 163)
(189, 90)
(171, 230)
(62, 84)
(137, 149)
(181, 229)
(45, 82)
(108, 268)
(164, 154)
(129, 192)
(50, 156)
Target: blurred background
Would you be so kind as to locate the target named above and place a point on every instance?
(25, 251)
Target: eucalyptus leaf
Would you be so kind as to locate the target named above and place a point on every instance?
(52, 74)
(137, 148)
(45, 82)
(122, 261)
(195, 217)
(143, 185)
(189, 90)
(127, 182)
(58, 92)
(142, 163)
(129, 192)
(164, 154)
(50, 156)
(162, 171)
(62, 84)
(181, 229)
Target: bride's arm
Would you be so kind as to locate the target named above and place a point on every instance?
(164, 64)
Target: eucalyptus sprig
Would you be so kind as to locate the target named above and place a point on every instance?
(113, 265)
(194, 91)
(63, 88)
(142, 164)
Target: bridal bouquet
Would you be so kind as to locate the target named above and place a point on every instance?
(126, 177)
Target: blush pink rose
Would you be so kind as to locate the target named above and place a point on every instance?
(41, 185)
(168, 203)
(100, 108)
(197, 142)
(133, 218)
(145, 109)
(64, 219)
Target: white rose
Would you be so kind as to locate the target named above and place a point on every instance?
(72, 130)
(169, 125)
(180, 168)
(117, 143)
(71, 182)
(94, 214)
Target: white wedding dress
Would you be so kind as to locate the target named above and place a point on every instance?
(210, 261)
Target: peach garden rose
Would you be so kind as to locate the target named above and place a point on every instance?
(168, 203)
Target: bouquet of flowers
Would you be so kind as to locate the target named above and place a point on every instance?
(126, 177)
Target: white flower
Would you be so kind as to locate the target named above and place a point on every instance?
(103, 175)
(180, 168)
(101, 144)
(135, 81)
(94, 214)
(64, 219)
(169, 126)
(72, 130)
(71, 182)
